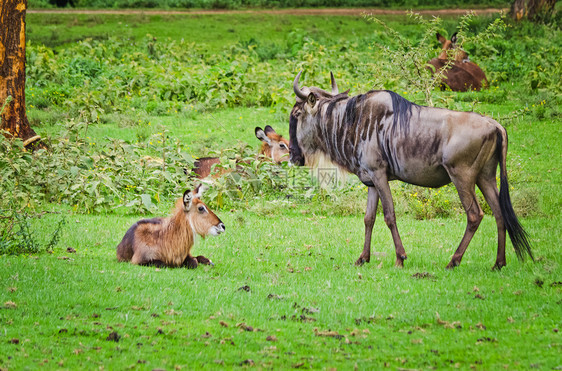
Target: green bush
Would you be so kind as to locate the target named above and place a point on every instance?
(17, 236)
(93, 177)
(235, 4)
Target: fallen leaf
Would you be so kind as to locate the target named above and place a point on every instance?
(10, 305)
(114, 336)
(329, 333)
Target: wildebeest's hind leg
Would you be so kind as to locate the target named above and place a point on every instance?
(489, 188)
(474, 215)
(370, 215)
(203, 260)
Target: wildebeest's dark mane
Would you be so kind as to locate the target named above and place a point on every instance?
(402, 109)
(333, 101)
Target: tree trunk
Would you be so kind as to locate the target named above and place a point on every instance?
(13, 117)
(533, 10)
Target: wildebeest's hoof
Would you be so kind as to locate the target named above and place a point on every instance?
(361, 261)
(498, 266)
(399, 263)
(452, 264)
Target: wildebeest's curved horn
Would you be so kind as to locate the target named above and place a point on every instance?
(334, 85)
(298, 92)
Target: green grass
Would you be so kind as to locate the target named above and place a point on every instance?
(296, 256)
(301, 278)
(215, 32)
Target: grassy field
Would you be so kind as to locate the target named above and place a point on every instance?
(284, 292)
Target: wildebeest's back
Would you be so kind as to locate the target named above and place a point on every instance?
(382, 130)
(141, 229)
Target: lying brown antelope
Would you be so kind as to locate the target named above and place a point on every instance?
(274, 147)
(460, 74)
(380, 136)
(168, 241)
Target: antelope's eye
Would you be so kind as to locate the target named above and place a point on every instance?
(283, 146)
(201, 208)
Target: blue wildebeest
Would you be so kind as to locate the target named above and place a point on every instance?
(380, 136)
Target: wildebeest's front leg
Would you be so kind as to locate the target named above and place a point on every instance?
(370, 215)
(381, 183)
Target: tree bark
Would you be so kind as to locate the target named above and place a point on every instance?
(533, 10)
(13, 118)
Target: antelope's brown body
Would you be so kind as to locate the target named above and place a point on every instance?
(168, 241)
(459, 72)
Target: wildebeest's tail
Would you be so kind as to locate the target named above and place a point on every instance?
(517, 234)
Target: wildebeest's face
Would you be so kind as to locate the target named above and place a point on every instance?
(295, 152)
(302, 116)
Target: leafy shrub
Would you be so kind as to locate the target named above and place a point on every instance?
(408, 59)
(93, 177)
(17, 237)
(235, 4)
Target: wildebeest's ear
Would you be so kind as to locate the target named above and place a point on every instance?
(311, 100)
(187, 198)
(454, 38)
(260, 134)
(199, 190)
(441, 38)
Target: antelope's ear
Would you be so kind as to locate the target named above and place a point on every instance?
(260, 134)
(269, 130)
(441, 38)
(454, 38)
(199, 190)
(311, 100)
(187, 199)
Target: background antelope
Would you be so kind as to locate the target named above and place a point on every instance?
(274, 147)
(168, 241)
(460, 73)
(380, 136)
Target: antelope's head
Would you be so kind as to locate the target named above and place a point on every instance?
(459, 55)
(274, 145)
(203, 221)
